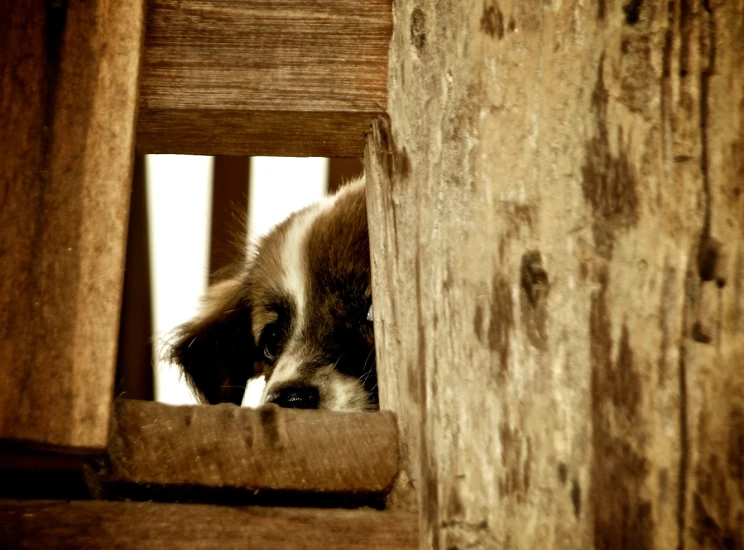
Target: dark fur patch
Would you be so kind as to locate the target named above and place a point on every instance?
(216, 351)
(339, 291)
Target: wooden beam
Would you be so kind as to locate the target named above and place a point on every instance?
(69, 77)
(261, 77)
(171, 450)
(556, 209)
(130, 525)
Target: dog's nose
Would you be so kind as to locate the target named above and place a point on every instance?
(295, 397)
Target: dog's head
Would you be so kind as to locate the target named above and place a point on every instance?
(298, 312)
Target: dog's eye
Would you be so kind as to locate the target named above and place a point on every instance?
(271, 342)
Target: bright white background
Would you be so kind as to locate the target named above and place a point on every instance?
(179, 195)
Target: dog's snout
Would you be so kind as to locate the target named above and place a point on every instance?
(295, 397)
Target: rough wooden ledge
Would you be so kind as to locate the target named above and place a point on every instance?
(263, 77)
(163, 449)
(123, 525)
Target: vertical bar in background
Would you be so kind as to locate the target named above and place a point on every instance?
(134, 374)
(229, 212)
(179, 193)
(340, 171)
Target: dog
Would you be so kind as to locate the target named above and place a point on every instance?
(298, 311)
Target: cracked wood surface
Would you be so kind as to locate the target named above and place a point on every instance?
(68, 101)
(556, 213)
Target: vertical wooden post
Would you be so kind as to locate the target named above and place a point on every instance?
(68, 97)
(230, 195)
(557, 222)
(134, 370)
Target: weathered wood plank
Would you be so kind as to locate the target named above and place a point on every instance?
(163, 448)
(122, 525)
(261, 77)
(557, 226)
(69, 73)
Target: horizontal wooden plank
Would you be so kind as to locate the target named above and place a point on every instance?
(254, 133)
(68, 100)
(267, 77)
(159, 449)
(140, 526)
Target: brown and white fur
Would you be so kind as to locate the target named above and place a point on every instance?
(298, 311)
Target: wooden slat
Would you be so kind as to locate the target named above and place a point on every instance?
(134, 369)
(230, 194)
(161, 447)
(68, 72)
(263, 77)
(142, 526)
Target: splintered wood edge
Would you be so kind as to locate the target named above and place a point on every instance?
(51, 525)
(265, 449)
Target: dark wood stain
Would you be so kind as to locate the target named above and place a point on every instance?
(716, 517)
(455, 507)
(700, 334)
(623, 518)
(632, 11)
(492, 20)
(478, 322)
(609, 182)
(708, 254)
(431, 503)
(500, 323)
(714, 521)
(576, 497)
(516, 460)
(601, 9)
(418, 28)
(562, 472)
(535, 287)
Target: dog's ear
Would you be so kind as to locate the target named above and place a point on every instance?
(216, 349)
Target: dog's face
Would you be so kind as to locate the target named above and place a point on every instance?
(297, 312)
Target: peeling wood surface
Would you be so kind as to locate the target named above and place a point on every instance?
(263, 77)
(556, 212)
(68, 98)
(123, 525)
(157, 449)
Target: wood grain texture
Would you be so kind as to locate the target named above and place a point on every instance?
(151, 526)
(557, 223)
(267, 449)
(68, 101)
(260, 77)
